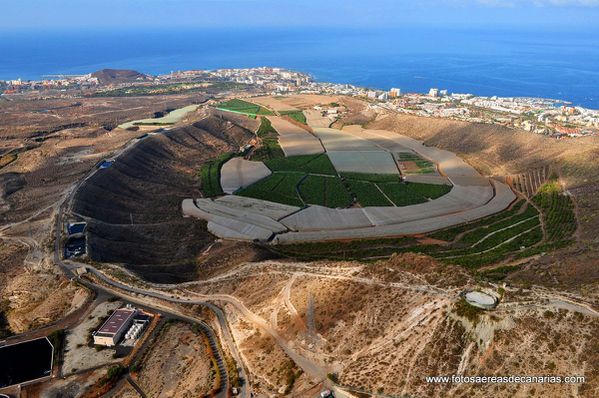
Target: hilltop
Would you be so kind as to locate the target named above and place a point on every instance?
(111, 76)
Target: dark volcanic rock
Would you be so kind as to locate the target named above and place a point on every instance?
(134, 207)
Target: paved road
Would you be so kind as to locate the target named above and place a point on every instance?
(69, 273)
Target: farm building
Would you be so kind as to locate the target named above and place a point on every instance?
(115, 327)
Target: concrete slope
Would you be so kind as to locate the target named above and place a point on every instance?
(500, 201)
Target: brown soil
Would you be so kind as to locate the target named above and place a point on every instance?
(500, 151)
(178, 365)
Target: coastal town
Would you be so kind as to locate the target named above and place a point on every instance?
(554, 118)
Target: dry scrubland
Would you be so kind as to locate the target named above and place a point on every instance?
(379, 326)
(499, 151)
(47, 146)
(177, 365)
(385, 326)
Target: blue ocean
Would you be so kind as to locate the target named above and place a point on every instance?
(509, 62)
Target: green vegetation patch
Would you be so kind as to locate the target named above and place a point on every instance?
(243, 107)
(359, 249)
(470, 312)
(315, 164)
(371, 177)
(412, 193)
(558, 212)
(450, 234)
(295, 115)
(325, 191)
(166, 89)
(367, 193)
(499, 273)
(511, 234)
(270, 148)
(210, 176)
(278, 187)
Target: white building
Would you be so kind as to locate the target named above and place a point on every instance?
(115, 327)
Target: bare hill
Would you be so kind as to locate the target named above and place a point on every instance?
(111, 76)
(500, 151)
(134, 207)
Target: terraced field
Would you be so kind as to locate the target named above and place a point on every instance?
(368, 193)
(298, 180)
(243, 107)
(319, 184)
(270, 148)
(512, 234)
(278, 187)
(307, 164)
(325, 191)
(295, 115)
(411, 193)
(210, 176)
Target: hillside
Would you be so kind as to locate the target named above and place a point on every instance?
(499, 151)
(112, 76)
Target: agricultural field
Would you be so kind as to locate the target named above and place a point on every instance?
(311, 176)
(270, 148)
(514, 233)
(210, 176)
(315, 164)
(412, 163)
(371, 177)
(278, 187)
(368, 193)
(321, 185)
(411, 193)
(558, 210)
(295, 115)
(325, 191)
(243, 107)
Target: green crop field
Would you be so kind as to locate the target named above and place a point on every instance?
(371, 177)
(368, 193)
(278, 187)
(243, 107)
(450, 234)
(325, 191)
(511, 234)
(411, 193)
(210, 176)
(558, 211)
(270, 148)
(296, 115)
(306, 164)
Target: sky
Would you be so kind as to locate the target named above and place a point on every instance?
(68, 14)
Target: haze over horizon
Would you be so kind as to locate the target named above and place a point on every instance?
(42, 14)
